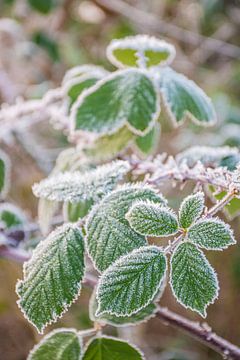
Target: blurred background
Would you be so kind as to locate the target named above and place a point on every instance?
(39, 41)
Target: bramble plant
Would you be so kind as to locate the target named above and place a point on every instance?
(108, 186)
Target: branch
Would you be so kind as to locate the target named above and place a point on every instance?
(157, 25)
(201, 332)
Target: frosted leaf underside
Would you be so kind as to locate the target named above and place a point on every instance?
(78, 186)
(211, 234)
(193, 280)
(61, 344)
(127, 96)
(132, 282)
(52, 277)
(109, 234)
(152, 219)
(184, 99)
(191, 209)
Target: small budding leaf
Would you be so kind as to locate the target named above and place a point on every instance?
(77, 186)
(131, 99)
(109, 234)
(141, 316)
(109, 348)
(152, 219)
(211, 234)
(141, 50)
(52, 277)
(131, 283)
(193, 280)
(60, 344)
(183, 99)
(190, 210)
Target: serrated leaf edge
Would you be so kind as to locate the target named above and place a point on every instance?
(200, 195)
(101, 82)
(204, 314)
(50, 334)
(153, 296)
(82, 70)
(115, 339)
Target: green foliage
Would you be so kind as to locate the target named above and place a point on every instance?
(74, 211)
(52, 277)
(190, 210)
(183, 99)
(46, 42)
(43, 6)
(211, 234)
(109, 235)
(143, 315)
(147, 144)
(4, 173)
(132, 282)
(193, 280)
(60, 344)
(11, 216)
(152, 219)
(131, 97)
(109, 348)
(78, 186)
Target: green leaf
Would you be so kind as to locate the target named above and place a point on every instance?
(4, 173)
(190, 210)
(86, 69)
(183, 99)
(131, 99)
(211, 234)
(132, 282)
(60, 344)
(43, 6)
(108, 146)
(141, 316)
(76, 186)
(147, 144)
(140, 50)
(11, 216)
(152, 219)
(74, 211)
(109, 235)
(109, 348)
(193, 280)
(52, 277)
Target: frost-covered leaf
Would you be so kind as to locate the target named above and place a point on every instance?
(152, 219)
(131, 283)
(193, 280)
(183, 99)
(78, 186)
(109, 234)
(140, 50)
(208, 155)
(131, 99)
(190, 210)
(211, 234)
(74, 211)
(108, 146)
(4, 173)
(46, 211)
(52, 277)
(60, 344)
(147, 144)
(109, 348)
(70, 159)
(80, 70)
(141, 316)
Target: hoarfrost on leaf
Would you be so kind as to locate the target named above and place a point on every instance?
(190, 210)
(77, 186)
(52, 277)
(193, 280)
(109, 234)
(211, 234)
(152, 219)
(60, 344)
(132, 282)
